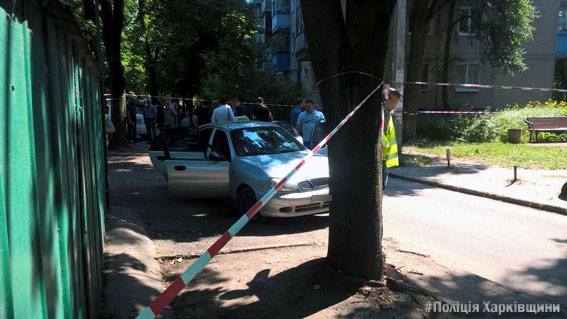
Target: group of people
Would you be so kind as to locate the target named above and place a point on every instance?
(228, 110)
(157, 114)
(308, 121)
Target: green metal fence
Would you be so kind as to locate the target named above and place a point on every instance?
(51, 165)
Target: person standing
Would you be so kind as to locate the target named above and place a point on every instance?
(150, 115)
(299, 107)
(131, 109)
(262, 112)
(170, 114)
(308, 122)
(202, 114)
(223, 112)
(239, 109)
(389, 144)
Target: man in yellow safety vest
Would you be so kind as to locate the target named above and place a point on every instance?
(389, 144)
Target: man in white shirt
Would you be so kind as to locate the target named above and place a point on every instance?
(223, 113)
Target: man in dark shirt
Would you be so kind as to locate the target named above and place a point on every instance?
(239, 109)
(262, 112)
(131, 109)
(202, 114)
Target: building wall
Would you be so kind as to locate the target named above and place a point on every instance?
(52, 168)
(540, 59)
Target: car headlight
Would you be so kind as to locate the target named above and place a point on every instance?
(286, 187)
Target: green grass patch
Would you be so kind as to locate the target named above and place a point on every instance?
(415, 160)
(542, 156)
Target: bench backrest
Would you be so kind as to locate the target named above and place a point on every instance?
(547, 122)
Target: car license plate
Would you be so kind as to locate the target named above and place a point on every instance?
(321, 198)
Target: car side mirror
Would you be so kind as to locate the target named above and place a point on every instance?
(216, 156)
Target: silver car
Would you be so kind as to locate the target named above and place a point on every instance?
(241, 161)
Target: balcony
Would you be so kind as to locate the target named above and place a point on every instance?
(281, 61)
(280, 22)
(561, 49)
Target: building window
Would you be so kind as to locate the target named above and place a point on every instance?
(467, 74)
(424, 77)
(562, 25)
(467, 25)
(280, 5)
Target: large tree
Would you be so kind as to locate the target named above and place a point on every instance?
(502, 28)
(112, 18)
(422, 13)
(357, 42)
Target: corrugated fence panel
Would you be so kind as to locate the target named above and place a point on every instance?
(52, 167)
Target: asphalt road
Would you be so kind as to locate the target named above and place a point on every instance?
(520, 248)
(475, 241)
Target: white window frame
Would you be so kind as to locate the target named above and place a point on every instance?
(562, 23)
(469, 23)
(467, 80)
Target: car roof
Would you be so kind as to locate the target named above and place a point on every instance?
(237, 125)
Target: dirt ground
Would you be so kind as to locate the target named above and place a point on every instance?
(284, 277)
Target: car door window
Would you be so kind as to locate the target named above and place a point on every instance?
(220, 144)
(204, 138)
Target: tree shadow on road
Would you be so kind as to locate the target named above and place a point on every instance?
(294, 293)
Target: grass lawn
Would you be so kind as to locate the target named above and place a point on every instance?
(543, 156)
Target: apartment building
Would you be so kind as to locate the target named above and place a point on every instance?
(467, 64)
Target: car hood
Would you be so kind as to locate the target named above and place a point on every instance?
(279, 165)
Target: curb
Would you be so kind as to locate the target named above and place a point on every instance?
(194, 255)
(516, 201)
(132, 277)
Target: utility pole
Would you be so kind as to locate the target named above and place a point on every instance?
(398, 55)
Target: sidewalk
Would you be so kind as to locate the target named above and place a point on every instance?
(539, 189)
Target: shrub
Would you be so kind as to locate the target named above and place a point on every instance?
(489, 127)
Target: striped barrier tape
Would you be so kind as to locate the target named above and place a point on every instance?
(447, 84)
(486, 86)
(180, 282)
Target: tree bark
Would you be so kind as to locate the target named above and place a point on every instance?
(112, 15)
(447, 52)
(418, 28)
(336, 46)
(149, 59)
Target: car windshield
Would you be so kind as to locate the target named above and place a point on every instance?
(264, 140)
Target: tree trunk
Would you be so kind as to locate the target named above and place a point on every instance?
(418, 29)
(447, 52)
(112, 14)
(354, 154)
(149, 59)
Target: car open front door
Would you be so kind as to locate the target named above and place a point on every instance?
(200, 178)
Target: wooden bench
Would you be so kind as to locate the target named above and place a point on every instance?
(545, 124)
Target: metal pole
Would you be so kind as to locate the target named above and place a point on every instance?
(398, 53)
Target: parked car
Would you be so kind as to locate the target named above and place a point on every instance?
(141, 126)
(241, 161)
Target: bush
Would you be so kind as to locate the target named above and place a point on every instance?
(441, 127)
(490, 127)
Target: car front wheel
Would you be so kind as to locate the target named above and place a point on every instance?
(246, 199)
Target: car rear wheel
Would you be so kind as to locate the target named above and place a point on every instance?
(246, 199)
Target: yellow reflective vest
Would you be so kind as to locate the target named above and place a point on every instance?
(390, 146)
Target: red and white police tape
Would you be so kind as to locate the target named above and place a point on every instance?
(180, 282)
(486, 86)
(471, 86)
